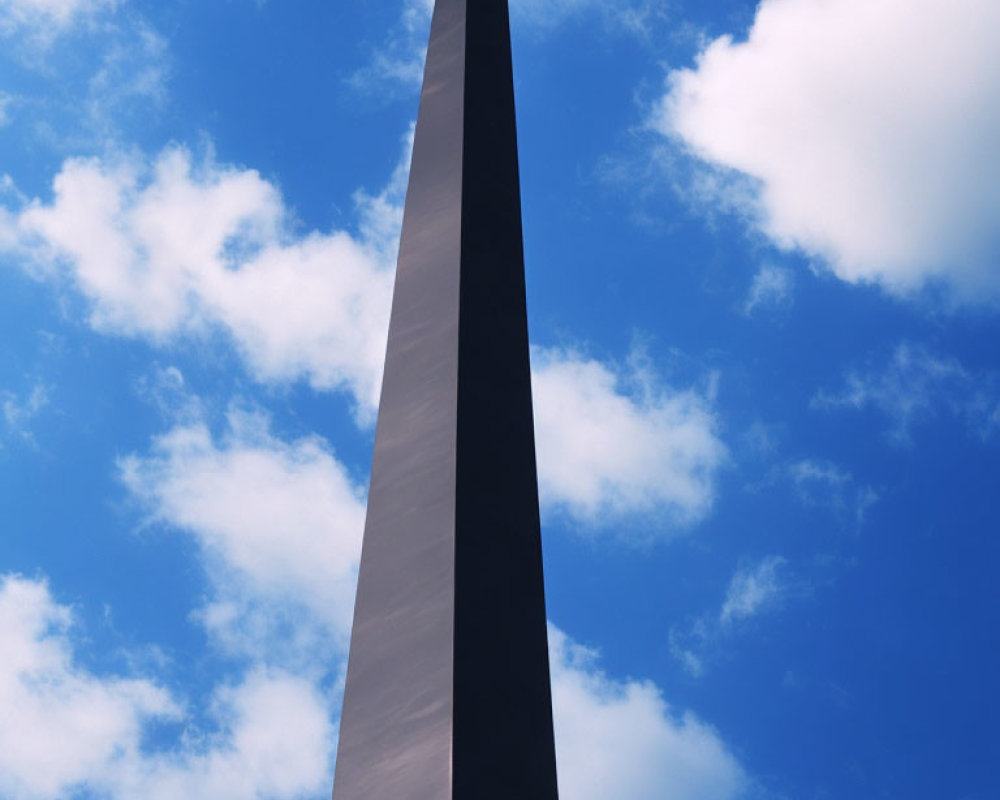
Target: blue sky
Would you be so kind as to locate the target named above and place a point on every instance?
(762, 262)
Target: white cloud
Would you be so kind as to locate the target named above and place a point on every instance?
(752, 590)
(914, 386)
(772, 286)
(61, 724)
(381, 215)
(18, 412)
(46, 17)
(822, 484)
(813, 472)
(270, 733)
(279, 525)
(86, 72)
(65, 727)
(400, 59)
(614, 443)
(276, 741)
(621, 738)
(868, 128)
(174, 247)
(178, 249)
(130, 78)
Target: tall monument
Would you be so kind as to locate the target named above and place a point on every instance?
(447, 694)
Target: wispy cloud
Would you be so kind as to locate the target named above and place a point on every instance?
(18, 411)
(41, 21)
(399, 60)
(913, 387)
(822, 484)
(772, 287)
(131, 77)
(88, 72)
(752, 590)
(755, 589)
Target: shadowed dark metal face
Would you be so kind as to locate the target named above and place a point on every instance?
(447, 690)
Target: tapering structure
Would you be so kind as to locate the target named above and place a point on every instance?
(447, 694)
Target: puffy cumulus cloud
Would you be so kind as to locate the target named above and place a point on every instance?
(621, 738)
(915, 385)
(868, 129)
(66, 730)
(280, 526)
(174, 247)
(269, 734)
(613, 443)
(275, 740)
(61, 724)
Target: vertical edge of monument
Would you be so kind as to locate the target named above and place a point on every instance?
(396, 728)
(504, 745)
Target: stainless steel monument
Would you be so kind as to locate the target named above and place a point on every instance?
(447, 694)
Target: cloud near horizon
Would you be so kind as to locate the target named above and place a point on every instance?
(866, 130)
